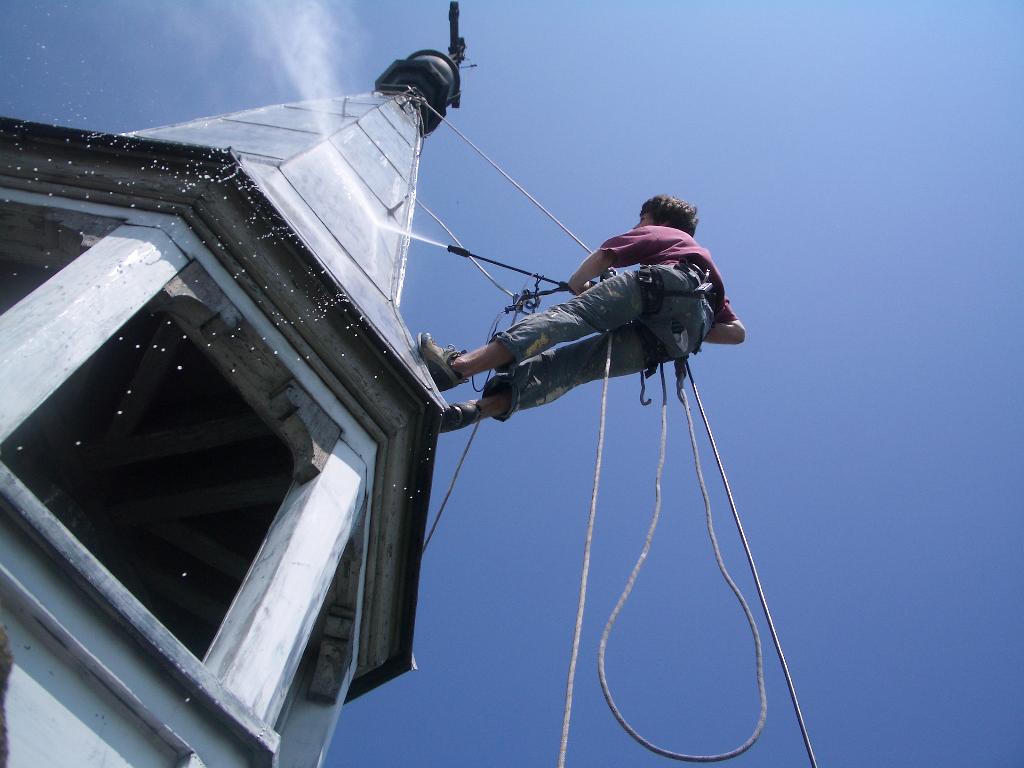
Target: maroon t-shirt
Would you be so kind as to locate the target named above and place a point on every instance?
(666, 245)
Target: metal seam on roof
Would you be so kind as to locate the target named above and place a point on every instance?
(271, 125)
(378, 146)
(351, 256)
(362, 177)
(398, 130)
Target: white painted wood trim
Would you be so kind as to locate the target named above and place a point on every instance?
(80, 616)
(46, 336)
(190, 244)
(259, 645)
(355, 439)
(17, 599)
(308, 728)
(357, 624)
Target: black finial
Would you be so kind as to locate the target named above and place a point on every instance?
(431, 74)
(457, 48)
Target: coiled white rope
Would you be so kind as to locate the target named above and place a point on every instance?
(759, 661)
(804, 734)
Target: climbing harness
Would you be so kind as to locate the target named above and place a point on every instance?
(650, 279)
(602, 675)
(653, 290)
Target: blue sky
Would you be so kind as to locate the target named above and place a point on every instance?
(859, 169)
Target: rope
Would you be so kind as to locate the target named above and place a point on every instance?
(465, 451)
(725, 574)
(753, 571)
(451, 485)
(508, 178)
(567, 714)
(476, 426)
(458, 242)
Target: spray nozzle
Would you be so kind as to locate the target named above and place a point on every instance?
(459, 251)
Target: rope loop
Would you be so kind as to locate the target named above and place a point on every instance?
(750, 562)
(630, 583)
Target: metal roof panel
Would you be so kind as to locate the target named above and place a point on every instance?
(296, 119)
(266, 140)
(372, 166)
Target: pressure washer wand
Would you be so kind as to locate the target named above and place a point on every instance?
(459, 251)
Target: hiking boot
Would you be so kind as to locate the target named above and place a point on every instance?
(439, 362)
(459, 415)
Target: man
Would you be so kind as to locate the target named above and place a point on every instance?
(660, 312)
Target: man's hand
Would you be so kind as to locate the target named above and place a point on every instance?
(577, 287)
(727, 333)
(592, 266)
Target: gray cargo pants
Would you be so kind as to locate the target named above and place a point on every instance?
(540, 373)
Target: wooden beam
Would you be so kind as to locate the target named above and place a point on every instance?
(185, 596)
(86, 588)
(334, 657)
(262, 639)
(82, 499)
(51, 332)
(242, 355)
(174, 441)
(202, 501)
(146, 380)
(202, 547)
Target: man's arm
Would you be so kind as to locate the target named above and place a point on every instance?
(732, 332)
(592, 266)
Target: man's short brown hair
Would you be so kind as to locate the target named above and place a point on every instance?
(670, 211)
